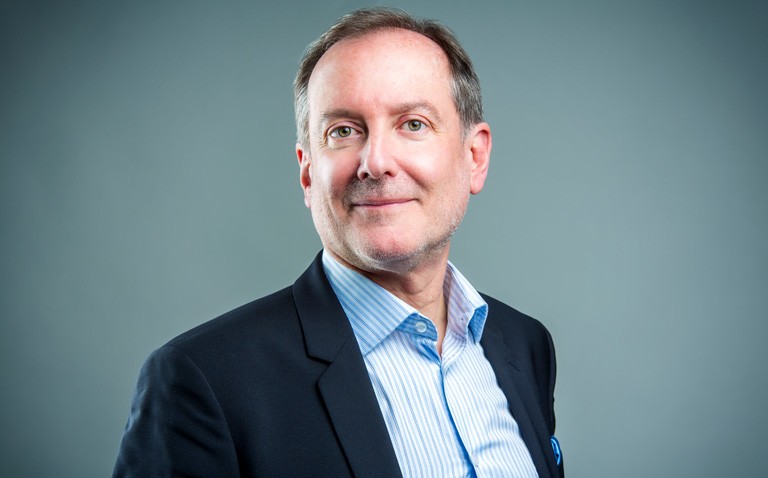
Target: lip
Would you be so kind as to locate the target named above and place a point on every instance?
(380, 202)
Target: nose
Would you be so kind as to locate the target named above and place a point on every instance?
(378, 158)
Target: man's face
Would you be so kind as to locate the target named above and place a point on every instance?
(388, 173)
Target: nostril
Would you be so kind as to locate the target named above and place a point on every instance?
(376, 158)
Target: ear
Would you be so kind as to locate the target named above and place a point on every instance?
(305, 178)
(480, 148)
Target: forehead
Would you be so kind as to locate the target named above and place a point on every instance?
(396, 41)
(385, 65)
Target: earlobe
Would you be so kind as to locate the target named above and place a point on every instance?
(480, 149)
(305, 178)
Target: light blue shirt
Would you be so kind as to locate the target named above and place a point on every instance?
(446, 415)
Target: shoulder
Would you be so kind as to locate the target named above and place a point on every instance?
(515, 325)
(527, 339)
(241, 331)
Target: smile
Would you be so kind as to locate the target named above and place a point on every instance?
(380, 203)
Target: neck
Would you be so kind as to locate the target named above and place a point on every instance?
(421, 287)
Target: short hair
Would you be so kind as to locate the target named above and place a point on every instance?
(464, 82)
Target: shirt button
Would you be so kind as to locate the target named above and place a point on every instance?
(421, 327)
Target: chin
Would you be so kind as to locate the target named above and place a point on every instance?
(397, 257)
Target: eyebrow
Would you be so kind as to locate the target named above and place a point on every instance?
(398, 109)
(417, 106)
(336, 114)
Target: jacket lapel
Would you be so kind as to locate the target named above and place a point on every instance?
(517, 388)
(344, 386)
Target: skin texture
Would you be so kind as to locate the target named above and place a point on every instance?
(389, 169)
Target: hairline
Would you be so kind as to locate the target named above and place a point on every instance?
(464, 84)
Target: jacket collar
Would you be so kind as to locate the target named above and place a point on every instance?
(345, 386)
(519, 392)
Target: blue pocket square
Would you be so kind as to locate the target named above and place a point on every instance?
(556, 450)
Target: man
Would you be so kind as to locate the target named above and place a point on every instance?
(381, 360)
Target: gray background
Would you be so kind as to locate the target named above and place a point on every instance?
(148, 183)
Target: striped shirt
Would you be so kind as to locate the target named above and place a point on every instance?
(446, 415)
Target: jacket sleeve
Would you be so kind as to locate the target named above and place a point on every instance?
(176, 426)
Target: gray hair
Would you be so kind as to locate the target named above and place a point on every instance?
(464, 82)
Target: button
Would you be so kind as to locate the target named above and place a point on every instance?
(421, 327)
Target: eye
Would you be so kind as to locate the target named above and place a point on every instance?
(414, 125)
(341, 132)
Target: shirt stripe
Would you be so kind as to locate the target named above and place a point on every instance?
(446, 415)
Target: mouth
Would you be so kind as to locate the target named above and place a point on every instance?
(380, 203)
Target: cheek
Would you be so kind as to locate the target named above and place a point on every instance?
(331, 176)
(445, 169)
(340, 168)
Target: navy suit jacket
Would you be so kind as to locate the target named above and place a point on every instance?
(278, 387)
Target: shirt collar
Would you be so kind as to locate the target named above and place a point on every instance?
(374, 313)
